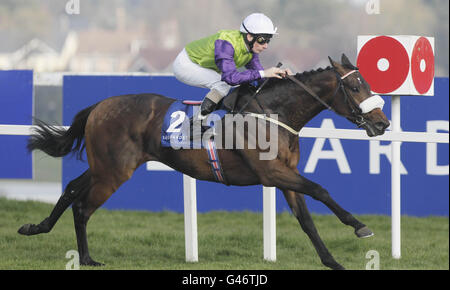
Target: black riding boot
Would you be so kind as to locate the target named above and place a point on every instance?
(206, 108)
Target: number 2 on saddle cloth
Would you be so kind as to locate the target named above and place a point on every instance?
(175, 133)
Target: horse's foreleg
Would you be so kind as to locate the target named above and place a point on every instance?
(297, 204)
(73, 190)
(289, 179)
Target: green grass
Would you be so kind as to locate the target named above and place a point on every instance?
(226, 240)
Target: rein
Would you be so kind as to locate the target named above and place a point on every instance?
(309, 91)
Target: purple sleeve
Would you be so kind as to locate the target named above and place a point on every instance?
(254, 64)
(224, 58)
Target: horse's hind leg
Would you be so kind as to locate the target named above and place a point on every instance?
(297, 204)
(73, 190)
(83, 208)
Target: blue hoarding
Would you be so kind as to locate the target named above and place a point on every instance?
(16, 108)
(356, 173)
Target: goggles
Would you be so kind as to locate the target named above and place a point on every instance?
(263, 39)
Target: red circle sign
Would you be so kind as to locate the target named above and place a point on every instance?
(387, 49)
(422, 65)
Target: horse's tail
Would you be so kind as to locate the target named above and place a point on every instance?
(58, 141)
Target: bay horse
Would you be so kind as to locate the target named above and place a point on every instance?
(121, 133)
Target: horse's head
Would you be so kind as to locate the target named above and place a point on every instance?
(354, 100)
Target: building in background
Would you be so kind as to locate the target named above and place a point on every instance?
(120, 36)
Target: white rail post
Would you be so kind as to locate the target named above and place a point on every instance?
(396, 181)
(190, 218)
(269, 223)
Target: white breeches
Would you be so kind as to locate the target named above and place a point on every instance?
(193, 74)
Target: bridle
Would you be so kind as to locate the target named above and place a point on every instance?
(356, 112)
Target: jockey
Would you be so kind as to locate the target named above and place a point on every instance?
(212, 62)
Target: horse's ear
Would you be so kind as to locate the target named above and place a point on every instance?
(333, 63)
(344, 59)
(346, 62)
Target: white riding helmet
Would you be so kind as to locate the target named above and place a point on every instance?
(257, 23)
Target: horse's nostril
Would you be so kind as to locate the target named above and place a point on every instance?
(381, 125)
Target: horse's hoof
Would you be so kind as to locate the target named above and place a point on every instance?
(29, 230)
(91, 263)
(32, 229)
(363, 232)
(96, 264)
(333, 265)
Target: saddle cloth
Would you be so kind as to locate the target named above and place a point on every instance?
(175, 132)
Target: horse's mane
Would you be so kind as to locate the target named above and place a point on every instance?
(303, 76)
(307, 74)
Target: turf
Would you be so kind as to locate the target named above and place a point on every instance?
(226, 240)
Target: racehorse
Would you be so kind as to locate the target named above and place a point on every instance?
(121, 133)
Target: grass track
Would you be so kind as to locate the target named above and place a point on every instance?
(226, 240)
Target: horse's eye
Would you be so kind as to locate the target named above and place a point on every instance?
(355, 89)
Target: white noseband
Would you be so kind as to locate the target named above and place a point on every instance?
(371, 103)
